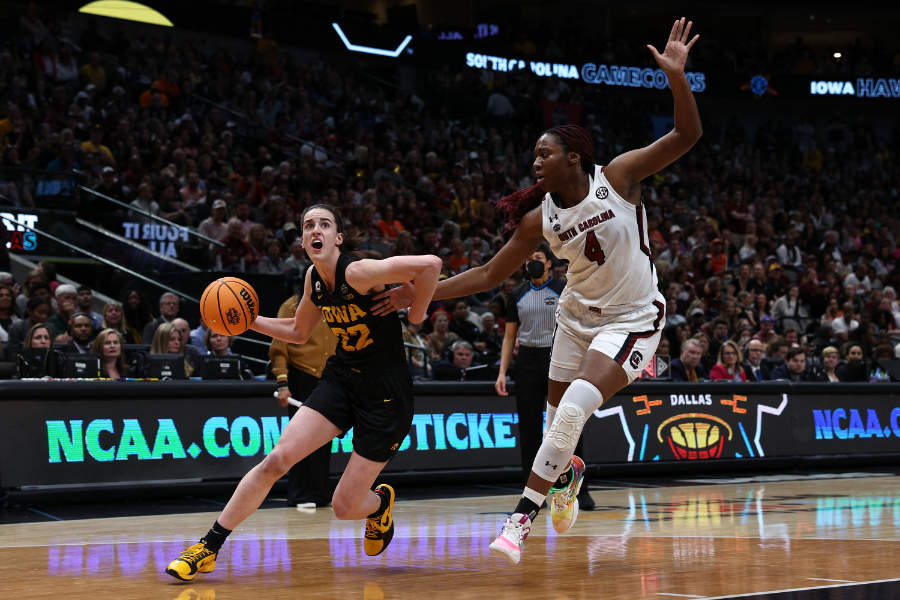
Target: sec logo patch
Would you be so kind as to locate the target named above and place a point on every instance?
(602, 192)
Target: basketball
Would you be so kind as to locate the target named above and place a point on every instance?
(229, 306)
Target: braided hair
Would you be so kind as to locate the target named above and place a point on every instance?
(572, 138)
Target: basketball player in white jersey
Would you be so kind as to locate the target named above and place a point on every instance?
(611, 312)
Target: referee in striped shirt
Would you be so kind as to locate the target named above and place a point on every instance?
(531, 320)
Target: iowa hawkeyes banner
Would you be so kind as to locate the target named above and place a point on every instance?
(665, 425)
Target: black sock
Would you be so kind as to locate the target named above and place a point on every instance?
(385, 500)
(215, 537)
(527, 507)
(564, 479)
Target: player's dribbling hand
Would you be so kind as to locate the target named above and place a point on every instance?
(674, 55)
(283, 395)
(393, 299)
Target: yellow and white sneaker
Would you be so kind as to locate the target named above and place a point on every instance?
(564, 503)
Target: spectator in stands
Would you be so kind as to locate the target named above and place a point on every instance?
(461, 365)
(789, 253)
(416, 348)
(137, 315)
(461, 325)
(794, 367)
(95, 145)
(271, 263)
(66, 306)
(441, 337)
(830, 359)
(687, 367)
(755, 368)
(36, 311)
(169, 306)
(728, 366)
(214, 225)
(233, 255)
(789, 312)
(34, 281)
(720, 333)
(80, 333)
(766, 333)
(109, 347)
(845, 323)
(114, 318)
(84, 302)
(145, 203)
(8, 315)
(389, 226)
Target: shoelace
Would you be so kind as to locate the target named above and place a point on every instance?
(517, 532)
(372, 532)
(197, 555)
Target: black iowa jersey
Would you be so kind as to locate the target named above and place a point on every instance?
(364, 340)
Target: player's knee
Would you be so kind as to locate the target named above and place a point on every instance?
(566, 427)
(275, 465)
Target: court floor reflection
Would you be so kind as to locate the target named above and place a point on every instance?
(700, 541)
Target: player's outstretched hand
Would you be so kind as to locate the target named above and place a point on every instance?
(393, 299)
(677, 47)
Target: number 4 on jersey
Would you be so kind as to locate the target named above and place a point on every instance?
(592, 249)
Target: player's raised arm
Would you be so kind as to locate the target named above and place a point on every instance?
(296, 329)
(421, 270)
(628, 169)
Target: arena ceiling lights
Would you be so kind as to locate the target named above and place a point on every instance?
(128, 11)
(368, 49)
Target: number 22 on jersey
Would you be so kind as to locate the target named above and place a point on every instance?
(360, 334)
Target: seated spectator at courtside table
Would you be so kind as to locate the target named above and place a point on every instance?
(191, 354)
(794, 367)
(854, 367)
(81, 333)
(830, 359)
(38, 336)
(728, 366)
(755, 368)
(167, 340)
(878, 373)
(687, 367)
(108, 346)
(461, 366)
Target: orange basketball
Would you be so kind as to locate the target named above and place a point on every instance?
(229, 306)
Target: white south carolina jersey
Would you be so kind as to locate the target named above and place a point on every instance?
(604, 237)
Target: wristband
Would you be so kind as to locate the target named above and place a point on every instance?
(282, 385)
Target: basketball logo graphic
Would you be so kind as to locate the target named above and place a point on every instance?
(635, 360)
(556, 227)
(233, 316)
(602, 192)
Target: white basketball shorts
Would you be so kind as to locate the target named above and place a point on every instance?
(630, 339)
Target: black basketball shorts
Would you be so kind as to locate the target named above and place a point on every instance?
(377, 405)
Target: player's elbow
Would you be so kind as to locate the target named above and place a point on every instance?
(433, 264)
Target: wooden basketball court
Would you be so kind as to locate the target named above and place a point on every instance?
(762, 535)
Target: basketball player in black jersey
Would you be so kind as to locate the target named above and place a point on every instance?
(365, 385)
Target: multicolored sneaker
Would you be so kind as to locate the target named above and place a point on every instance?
(564, 502)
(380, 529)
(511, 540)
(196, 559)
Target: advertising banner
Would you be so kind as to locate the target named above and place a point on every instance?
(699, 425)
(176, 436)
(844, 424)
